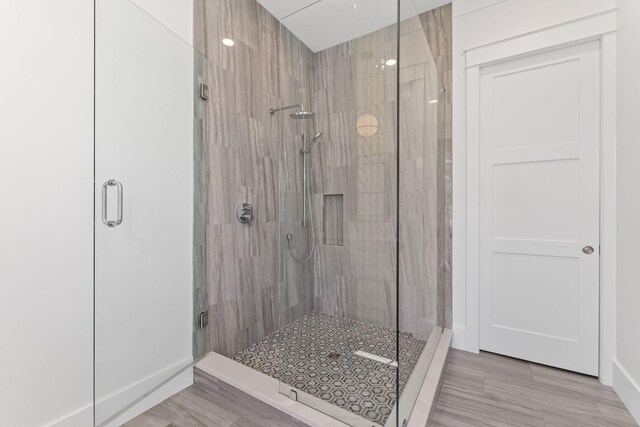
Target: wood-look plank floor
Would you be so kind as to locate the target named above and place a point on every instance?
(213, 403)
(477, 390)
(491, 390)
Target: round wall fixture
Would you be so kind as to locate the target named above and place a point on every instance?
(367, 125)
(244, 213)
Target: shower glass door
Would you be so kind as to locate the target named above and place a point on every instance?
(339, 354)
(364, 311)
(315, 110)
(144, 211)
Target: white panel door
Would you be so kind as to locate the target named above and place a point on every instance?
(539, 202)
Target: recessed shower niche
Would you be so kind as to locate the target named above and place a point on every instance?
(333, 219)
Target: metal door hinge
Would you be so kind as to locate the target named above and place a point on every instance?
(204, 319)
(204, 91)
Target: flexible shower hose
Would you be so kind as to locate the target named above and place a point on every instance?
(313, 234)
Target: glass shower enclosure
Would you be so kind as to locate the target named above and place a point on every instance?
(329, 121)
(354, 126)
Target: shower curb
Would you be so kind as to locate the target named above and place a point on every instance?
(267, 389)
(423, 408)
(262, 387)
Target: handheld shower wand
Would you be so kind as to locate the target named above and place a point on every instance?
(315, 139)
(305, 151)
(306, 202)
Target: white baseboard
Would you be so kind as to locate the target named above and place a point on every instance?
(627, 389)
(173, 386)
(82, 417)
(120, 399)
(460, 340)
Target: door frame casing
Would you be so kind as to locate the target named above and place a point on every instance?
(601, 28)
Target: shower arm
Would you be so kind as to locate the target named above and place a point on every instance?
(272, 111)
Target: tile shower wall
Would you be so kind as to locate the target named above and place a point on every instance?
(251, 157)
(353, 87)
(254, 286)
(357, 279)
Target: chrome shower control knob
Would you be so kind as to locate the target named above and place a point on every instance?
(244, 213)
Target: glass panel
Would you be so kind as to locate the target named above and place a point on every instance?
(339, 357)
(145, 322)
(421, 207)
(201, 339)
(306, 126)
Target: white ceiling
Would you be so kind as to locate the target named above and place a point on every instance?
(321, 24)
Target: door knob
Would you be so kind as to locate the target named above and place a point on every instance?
(588, 250)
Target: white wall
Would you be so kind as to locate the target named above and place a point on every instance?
(481, 28)
(46, 211)
(627, 373)
(46, 206)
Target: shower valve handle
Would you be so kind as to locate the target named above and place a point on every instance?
(244, 213)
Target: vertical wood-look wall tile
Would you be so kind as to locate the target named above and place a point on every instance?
(254, 285)
(248, 161)
(349, 81)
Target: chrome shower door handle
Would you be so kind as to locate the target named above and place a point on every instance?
(105, 201)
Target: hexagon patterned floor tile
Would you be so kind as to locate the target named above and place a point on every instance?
(315, 354)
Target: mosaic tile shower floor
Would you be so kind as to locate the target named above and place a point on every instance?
(302, 354)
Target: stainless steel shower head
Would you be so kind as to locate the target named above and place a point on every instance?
(300, 115)
(303, 115)
(316, 137)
